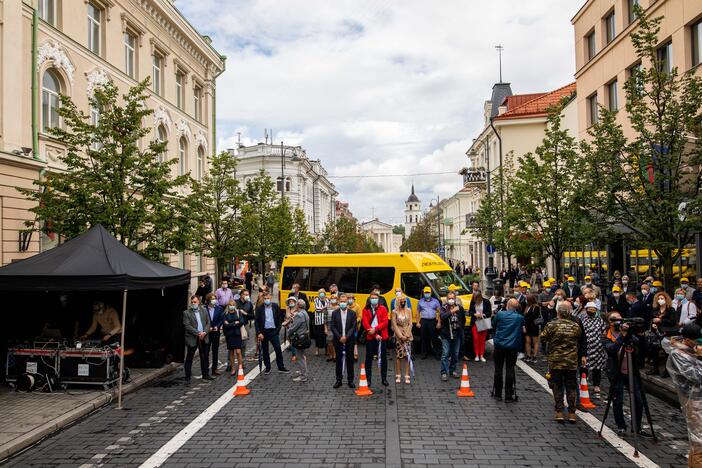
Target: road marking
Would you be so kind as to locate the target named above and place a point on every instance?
(180, 439)
(607, 434)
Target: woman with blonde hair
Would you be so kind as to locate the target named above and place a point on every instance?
(402, 327)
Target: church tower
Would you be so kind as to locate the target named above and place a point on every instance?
(413, 212)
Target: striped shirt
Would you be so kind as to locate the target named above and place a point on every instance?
(320, 310)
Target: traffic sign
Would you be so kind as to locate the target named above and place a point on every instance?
(490, 249)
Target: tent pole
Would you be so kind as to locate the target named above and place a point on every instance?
(121, 348)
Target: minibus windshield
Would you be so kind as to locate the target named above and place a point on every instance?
(441, 280)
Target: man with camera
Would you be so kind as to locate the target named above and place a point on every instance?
(620, 339)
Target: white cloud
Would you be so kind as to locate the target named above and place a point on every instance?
(379, 87)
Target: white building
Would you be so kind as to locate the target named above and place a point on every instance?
(305, 180)
(382, 234)
(413, 212)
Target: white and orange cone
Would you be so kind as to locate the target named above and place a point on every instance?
(585, 394)
(241, 389)
(464, 390)
(363, 389)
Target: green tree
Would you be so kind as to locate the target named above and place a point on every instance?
(544, 204)
(343, 235)
(423, 237)
(649, 182)
(214, 205)
(259, 226)
(399, 229)
(110, 180)
(302, 240)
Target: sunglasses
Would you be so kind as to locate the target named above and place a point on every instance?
(612, 320)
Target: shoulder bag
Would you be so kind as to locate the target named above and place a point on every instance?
(242, 329)
(363, 335)
(302, 340)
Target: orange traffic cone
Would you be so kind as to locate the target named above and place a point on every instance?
(241, 389)
(363, 389)
(465, 384)
(584, 394)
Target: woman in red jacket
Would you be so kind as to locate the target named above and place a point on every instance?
(375, 324)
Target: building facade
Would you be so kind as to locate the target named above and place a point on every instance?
(52, 47)
(304, 181)
(382, 234)
(413, 212)
(342, 210)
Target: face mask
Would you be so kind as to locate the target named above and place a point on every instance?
(571, 284)
(374, 301)
(644, 291)
(224, 286)
(291, 304)
(402, 303)
(427, 295)
(342, 305)
(661, 301)
(333, 303)
(231, 307)
(590, 312)
(625, 281)
(213, 302)
(451, 301)
(588, 283)
(193, 306)
(616, 295)
(351, 301)
(679, 297)
(267, 302)
(398, 294)
(247, 298)
(321, 295)
(292, 291)
(654, 289)
(684, 286)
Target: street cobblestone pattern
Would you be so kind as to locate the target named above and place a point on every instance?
(283, 423)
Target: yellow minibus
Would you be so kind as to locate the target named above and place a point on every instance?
(357, 273)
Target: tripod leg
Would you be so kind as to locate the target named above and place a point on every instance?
(644, 401)
(610, 398)
(632, 400)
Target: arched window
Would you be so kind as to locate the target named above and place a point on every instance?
(200, 162)
(50, 89)
(182, 154)
(161, 135)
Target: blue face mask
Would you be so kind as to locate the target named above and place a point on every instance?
(679, 297)
(267, 302)
(374, 301)
(321, 295)
(193, 306)
(351, 301)
(654, 289)
(427, 295)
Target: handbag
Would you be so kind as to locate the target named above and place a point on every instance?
(538, 321)
(303, 340)
(483, 324)
(244, 333)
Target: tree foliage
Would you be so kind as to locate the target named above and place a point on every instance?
(345, 236)
(423, 237)
(650, 182)
(110, 180)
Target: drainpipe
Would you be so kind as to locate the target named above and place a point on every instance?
(214, 108)
(35, 87)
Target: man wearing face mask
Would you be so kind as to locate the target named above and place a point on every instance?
(452, 319)
(381, 300)
(616, 301)
(343, 327)
(216, 316)
(686, 309)
(626, 284)
(520, 295)
(375, 323)
(572, 290)
(108, 321)
(646, 298)
(196, 322)
(268, 322)
(295, 292)
(428, 309)
(224, 294)
(589, 284)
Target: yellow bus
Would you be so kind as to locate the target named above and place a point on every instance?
(357, 273)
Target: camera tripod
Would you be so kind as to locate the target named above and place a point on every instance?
(627, 352)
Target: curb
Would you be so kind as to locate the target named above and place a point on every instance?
(661, 388)
(30, 438)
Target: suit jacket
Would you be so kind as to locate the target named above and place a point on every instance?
(620, 305)
(575, 293)
(487, 310)
(639, 309)
(260, 320)
(350, 330)
(218, 318)
(190, 324)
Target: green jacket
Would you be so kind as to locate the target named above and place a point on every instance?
(562, 337)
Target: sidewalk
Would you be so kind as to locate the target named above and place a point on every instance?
(26, 418)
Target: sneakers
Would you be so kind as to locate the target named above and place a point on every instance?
(571, 418)
(621, 431)
(283, 370)
(266, 371)
(482, 359)
(455, 375)
(476, 359)
(559, 417)
(520, 356)
(642, 433)
(300, 378)
(444, 377)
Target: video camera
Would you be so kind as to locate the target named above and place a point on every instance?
(636, 325)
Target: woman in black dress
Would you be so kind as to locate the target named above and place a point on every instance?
(532, 313)
(234, 326)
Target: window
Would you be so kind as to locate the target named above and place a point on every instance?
(593, 109)
(367, 277)
(613, 96)
(50, 89)
(129, 54)
(94, 27)
(344, 278)
(197, 99)
(664, 57)
(161, 135)
(696, 35)
(278, 184)
(412, 284)
(300, 275)
(47, 11)
(94, 121)
(182, 154)
(200, 160)
(630, 7)
(610, 27)
(441, 280)
(179, 79)
(157, 66)
(590, 46)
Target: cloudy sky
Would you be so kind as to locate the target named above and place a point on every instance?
(379, 87)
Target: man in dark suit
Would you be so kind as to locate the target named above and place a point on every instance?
(617, 301)
(268, 321)
(197, 324)
(215, 313)
(571, 289)
(637, 308)
(295, 292)
(646, 298)
(343, 327)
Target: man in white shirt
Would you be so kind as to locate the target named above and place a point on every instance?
(343, 327)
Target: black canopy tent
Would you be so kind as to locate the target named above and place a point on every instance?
(93, 261)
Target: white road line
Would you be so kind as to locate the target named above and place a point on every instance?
(607, 434)
(180, 439)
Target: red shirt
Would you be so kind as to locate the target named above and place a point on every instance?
(381, 313)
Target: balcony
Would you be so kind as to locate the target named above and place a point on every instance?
(474, 176)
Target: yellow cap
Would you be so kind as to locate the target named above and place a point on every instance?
(452, 287)
(570, 278)
(588, 277)
(552, 280)
(684, 280)
(616, 289)
(657, 284)
(547, 284)
(523, 284)
(427, 289)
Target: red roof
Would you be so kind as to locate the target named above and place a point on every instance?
(538, 106)
(518, 99)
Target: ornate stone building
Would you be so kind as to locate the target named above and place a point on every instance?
(52, 47)
(413, 212)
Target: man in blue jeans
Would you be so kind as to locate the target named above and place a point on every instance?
(453, 316)
(509, 327)
(268, 321)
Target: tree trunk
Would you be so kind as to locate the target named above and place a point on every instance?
(666, 258)
(557, 263)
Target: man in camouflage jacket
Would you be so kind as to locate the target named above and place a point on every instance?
(562, 336)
